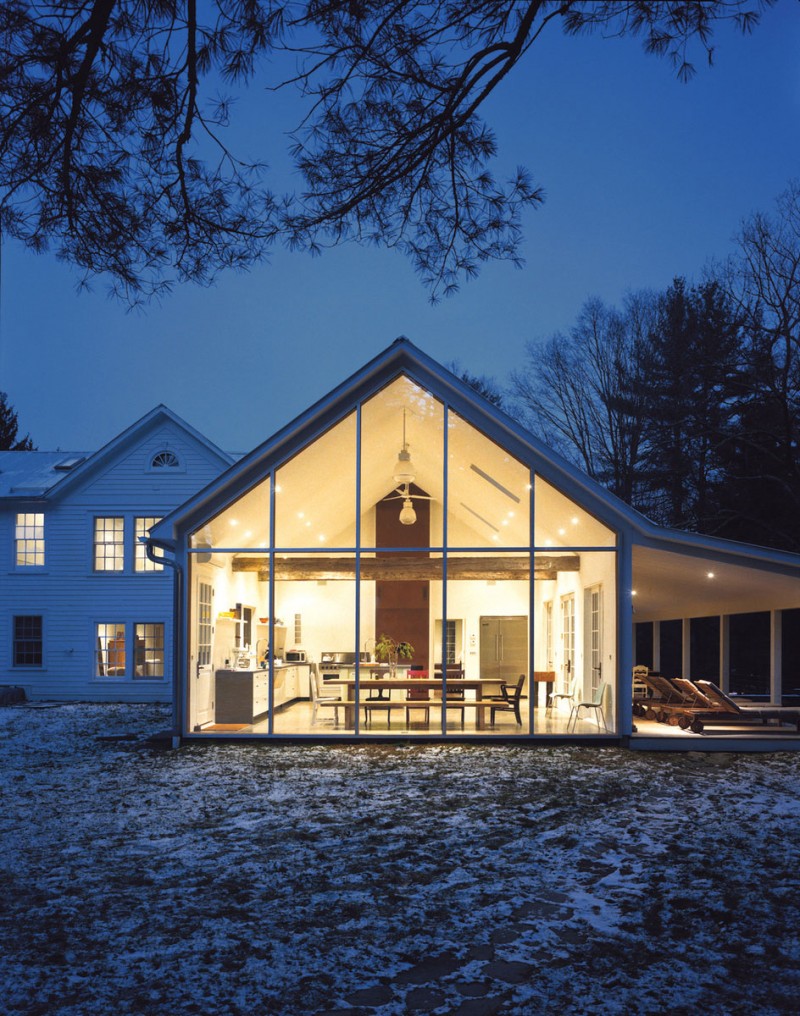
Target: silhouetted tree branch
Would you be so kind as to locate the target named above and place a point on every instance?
(112, 139)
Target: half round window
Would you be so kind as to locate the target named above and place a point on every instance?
(165, 460)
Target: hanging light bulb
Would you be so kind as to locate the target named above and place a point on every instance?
(407, 514)
(404, 472)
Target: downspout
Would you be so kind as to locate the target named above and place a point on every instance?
(177, 630)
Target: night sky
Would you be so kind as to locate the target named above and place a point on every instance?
(646, 178)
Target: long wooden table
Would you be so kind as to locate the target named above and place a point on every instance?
(367, 684)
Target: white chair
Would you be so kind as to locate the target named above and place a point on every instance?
(318, 701)
(596, 703)
(556, 696)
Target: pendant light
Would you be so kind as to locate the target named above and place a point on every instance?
(404, 475)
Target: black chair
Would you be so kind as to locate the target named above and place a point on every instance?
(510, 701)
(454, 697)
(418, 698)
(377, 698)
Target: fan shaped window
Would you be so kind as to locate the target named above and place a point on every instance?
(165, 459)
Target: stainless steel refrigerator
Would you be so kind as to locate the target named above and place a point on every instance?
(504, 647)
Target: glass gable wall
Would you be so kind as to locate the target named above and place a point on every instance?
(402, 575)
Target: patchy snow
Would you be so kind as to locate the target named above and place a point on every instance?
(266, 879)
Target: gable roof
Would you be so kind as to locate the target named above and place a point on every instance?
(402, 357)
(40, 475)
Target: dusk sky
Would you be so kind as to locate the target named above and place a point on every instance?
(645, 178)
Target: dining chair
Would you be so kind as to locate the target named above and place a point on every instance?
(334, 702)
(558, 696)
(595, 702)
(454, 698)
(418, 698)
(377, 699)
(510, 701)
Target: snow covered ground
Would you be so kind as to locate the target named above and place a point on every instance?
(262, 879)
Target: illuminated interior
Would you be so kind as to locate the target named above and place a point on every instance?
(386, 579)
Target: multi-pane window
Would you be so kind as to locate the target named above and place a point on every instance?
(110, 649)
(149, 650)
(204, 597)
(109, 543)
(30, 539)
(567, 640)
(142, 527)
(450, 642)
(27, 642)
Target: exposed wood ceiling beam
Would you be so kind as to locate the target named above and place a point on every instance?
(401, 569)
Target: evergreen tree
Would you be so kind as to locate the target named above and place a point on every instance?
(9, 428)
(691, 374)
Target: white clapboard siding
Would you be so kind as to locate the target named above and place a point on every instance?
(68, 594)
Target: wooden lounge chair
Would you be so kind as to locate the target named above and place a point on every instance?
(729, 711)
(665, 699)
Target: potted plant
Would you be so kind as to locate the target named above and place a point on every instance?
(389, 650)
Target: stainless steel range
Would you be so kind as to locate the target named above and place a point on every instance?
(334, 666)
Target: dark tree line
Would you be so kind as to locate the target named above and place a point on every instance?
(114, 147)
(686, 403)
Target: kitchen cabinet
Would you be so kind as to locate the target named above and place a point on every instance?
(291, 682)
(242, 696)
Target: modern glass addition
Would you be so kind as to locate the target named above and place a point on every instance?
(29, 540)
(444, 589)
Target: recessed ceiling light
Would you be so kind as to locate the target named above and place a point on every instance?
(234, 522)
(574, 520)
(247, 534)
(562, 532)
(321, 538)
(277, 488)
(711, 574)
(548, 543)
(633, 592)
(301, 515)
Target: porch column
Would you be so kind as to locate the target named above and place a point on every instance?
(775, 656)
(657, 646)
(686, 647)
(623, 693)
(725, 652)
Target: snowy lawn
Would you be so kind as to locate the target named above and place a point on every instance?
(257, 879)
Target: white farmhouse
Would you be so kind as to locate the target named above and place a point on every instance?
(84, 614)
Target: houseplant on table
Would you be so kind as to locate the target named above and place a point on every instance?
(389, 650)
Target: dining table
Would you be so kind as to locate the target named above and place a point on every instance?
(404, 680)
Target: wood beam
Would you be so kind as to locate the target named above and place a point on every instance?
(408, 569)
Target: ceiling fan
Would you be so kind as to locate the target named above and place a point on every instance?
(404, 475)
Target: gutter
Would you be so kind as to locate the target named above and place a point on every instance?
(150, 546)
